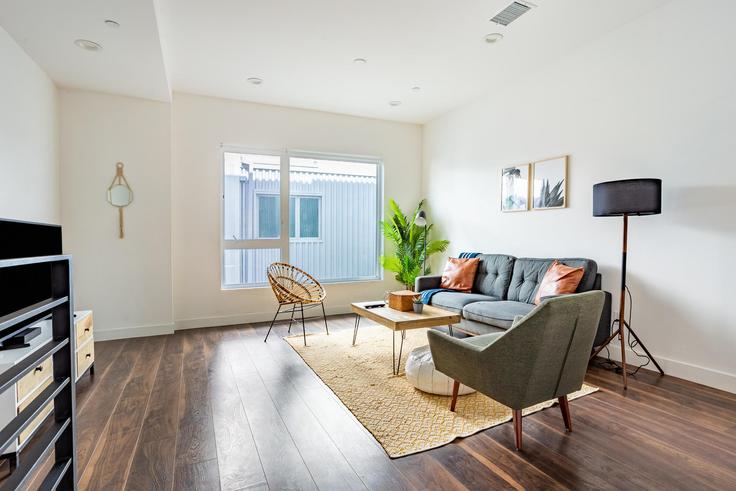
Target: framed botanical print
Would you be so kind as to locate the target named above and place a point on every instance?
(515, 188)
(549, 183)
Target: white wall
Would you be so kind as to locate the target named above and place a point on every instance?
(201, 124)
(29, 170)
(126, 282)
(652, 99)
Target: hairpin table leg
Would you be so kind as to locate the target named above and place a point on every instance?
(355, 329)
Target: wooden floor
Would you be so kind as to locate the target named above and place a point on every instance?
(218, 408)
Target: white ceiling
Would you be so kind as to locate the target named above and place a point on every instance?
(130, 63)
(303, 49)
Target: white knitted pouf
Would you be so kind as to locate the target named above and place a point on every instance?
(420, 373)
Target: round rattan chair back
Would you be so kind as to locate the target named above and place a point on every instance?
(293, 285)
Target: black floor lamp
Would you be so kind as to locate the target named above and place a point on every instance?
(629, 197)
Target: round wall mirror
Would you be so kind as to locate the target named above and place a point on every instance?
(120, 195)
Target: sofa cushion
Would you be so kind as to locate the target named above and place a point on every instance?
(455, 301)
(459, 273)
(558, 280)
(528, 274)
(499, 314)
(474, 328)
(494, 274)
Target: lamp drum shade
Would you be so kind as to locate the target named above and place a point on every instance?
(627, 197)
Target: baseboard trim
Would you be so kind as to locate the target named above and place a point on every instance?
(133, 332)
(225, 320)
(688, 371)
(249, 318)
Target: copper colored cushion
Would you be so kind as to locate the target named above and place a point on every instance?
(459, 274)
(558, 280)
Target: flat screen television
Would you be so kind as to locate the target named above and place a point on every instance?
(26, 239)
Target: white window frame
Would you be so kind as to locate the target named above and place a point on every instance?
(283, 241)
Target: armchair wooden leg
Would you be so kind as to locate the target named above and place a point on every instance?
(517, 428)
(565, 409)
(455, 389)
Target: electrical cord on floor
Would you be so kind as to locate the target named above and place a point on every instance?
(608, 363)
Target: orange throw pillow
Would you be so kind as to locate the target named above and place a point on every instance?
(459, 274)
(558, 280)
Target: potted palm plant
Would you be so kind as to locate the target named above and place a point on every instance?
(411, 243)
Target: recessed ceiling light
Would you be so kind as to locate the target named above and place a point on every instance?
(494, 37)
(394, 103)
(112, 23)
(88, 45)
(255, 80)
(360, 61)
(416, 88)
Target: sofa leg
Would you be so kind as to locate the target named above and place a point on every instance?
(565, 409)
(517, 428)
(455, 389)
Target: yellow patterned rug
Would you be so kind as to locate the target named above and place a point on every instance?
(403, 419)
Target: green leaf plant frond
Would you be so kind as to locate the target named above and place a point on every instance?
(408, 242)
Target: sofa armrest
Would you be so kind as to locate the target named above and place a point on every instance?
(597, 284)
(542, 299)
(604, 326)
(455, 358)
(427, 283)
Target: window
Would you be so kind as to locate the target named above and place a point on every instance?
(304, 217)
(323, 219)
(268, 216)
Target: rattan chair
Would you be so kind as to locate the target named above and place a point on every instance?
(297, 288)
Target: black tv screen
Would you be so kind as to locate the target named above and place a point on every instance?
(20, 287)
(28, 239)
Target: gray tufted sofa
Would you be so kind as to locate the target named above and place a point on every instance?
(504, 287)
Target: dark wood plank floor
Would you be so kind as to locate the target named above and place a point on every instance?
(219, 409)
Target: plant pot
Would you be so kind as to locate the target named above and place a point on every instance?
(418, 307)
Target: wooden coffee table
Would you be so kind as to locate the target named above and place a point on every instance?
(402, 321)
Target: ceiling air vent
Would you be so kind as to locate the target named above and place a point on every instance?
(510, 13)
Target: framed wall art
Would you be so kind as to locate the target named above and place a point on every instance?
(549, 183)
(515, 188)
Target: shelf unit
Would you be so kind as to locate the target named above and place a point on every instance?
(60, 435)
(85, 337)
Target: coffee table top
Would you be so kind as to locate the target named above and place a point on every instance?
(399, 321)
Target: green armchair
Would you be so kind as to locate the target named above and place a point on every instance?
(543, 356)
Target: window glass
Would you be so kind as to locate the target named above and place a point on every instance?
(308, 217)
(247, 266)
(246, 177)
(333, 215)
(268, 216)
(334, 218)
